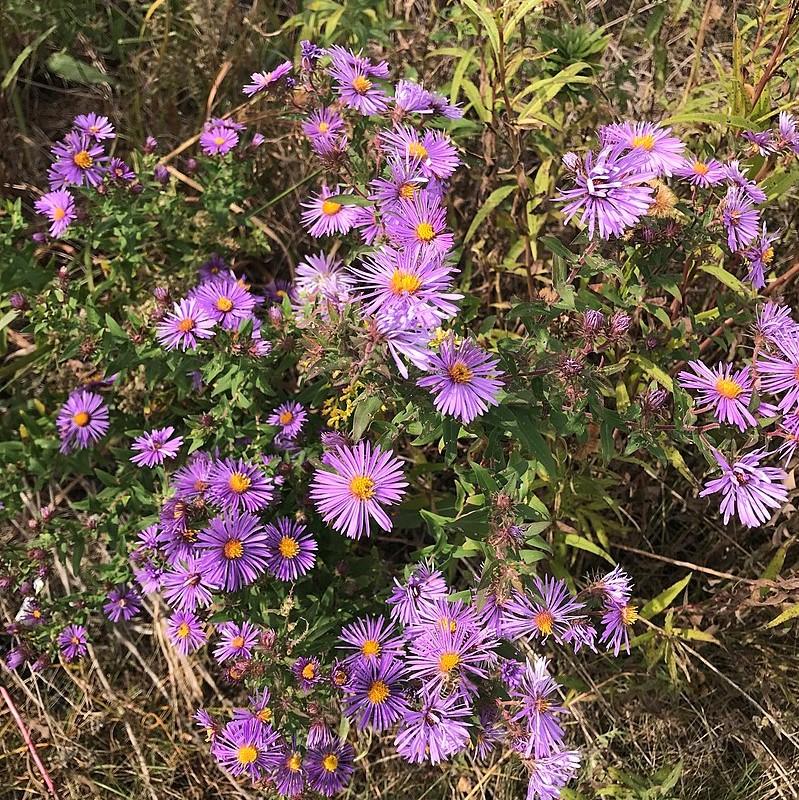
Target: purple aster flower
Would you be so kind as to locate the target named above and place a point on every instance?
(375, 698)
(759, 256)
(323, 122)
(701, 173)
(747, 488)
(119, 171)
(740, 218)
(442, 106)
(789, 430)
(661, 151)
(548, 613)
(289, 417)
(73, 642)
(258, 708)
(310, 53)
(330, 149)
(322, 274)
(308, 672)
(438, 730)
(186, 632)
(737, 177)
(150, 144)
(247, 747)
(406, 335)
(257, 140)
(464, 380)
(209, 725)
(239, 484)
(425, 585)
(148, 576)
(369, 224)
(773, 323)
(763, 141)
(95, 126)
(186, 586)
(616, 623)
(260, 81)
(369, 639)
(448, 661)
(780, 374)
(148, 537)
(488, 734)
(420, 226)
(727, 391)
(194, 479)
(225, 301)
(78, 162)
(404, 181)
(615, 586)
(59, 208)
(289, 776)
(511, 672)
(236, 640)
(155, 447)
(436, 155)
(537, 694)
(235, 551)
(218, 140)
(213, 268)
(579, 634)
(329, 766)
(610, 190)
(33, 613)
(443, 614)
(550, 774)
(122, 603)
(352, 76)
(291, 551)
(184, 325)
(410, 98)
(82, 421)
(325, 217)
(788, 133)
(402, 281)
(16, 657)
(356, 485)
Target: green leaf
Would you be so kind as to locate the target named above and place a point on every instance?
(114, 328)
(74, 70)
(654, 372)
(20, 59)
(581, 543)
(665, 598)
(727, 278)
(364, 413)
(494, 199)
(790, 613)
(489, 23)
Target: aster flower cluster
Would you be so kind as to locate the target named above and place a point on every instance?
(623, 183)
(430, 673)
(750, 490)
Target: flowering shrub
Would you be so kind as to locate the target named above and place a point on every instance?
(357, 496)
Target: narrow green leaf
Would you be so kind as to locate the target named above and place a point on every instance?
(790, 613)
(21, 58)
(581, 543)
(494, 199)
(665, 598)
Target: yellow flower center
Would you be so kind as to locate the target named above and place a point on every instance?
(407, 191)
(425, 232)
(288, 547)
(542, 705)
(186, 325)
(81, 419)
(285, 418)
(82, 160)
(339, 677)
(417, 150)
(544, 621)
(362, 487)
(309, 672)
(331, 208)
(239, 482)
(646, 142)
(75, 640)
(728, 388)
(446, 622)
(247, 753)
(323, 127)
(36, 613)
(629, 614)
(237, 642)
(224, 304)
(448, 661)
(330, 762)
(700, 168)
(58, 213)
(183, 630)
(405, 282)
(294, 762)
(218, 140)
(370, 648)
(233, 548)
(768, 255)
(460, 373)
(361, 84)
(378, 692)
(265, 715)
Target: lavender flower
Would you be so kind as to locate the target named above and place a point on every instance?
(236, 640)
(289, 417)
(701, 173)
(184, 326)
(375, 698)
(727, 391)
(218, 140)
(225, 301)
(122, 603)
(291, 552)
(82, 421)
(155, 447)
(661, 152)
(324, 216)
(187, 586)
(186, 632)
(73, 642)
(235, 551)
(238, 484)
(95, 126)
(59, 208)
(247, 747)
(438, 730)
(369, 639)
(433, 150)
(261, 81)
(740, 218)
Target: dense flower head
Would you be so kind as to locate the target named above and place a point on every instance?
(324, 215)
(437, 157)
(218, 140)
(759, 255)
(234, 550)
(550, 774)
(434, 731)
(355, 486)
(226, 301)
(289, 776)
(239, 485)
(186, 586)
(155, 447)
(740, 217)
(289, 417)
(536, 693)
(464, 380)
(258, 708)
(323, 275)
(193, 479)
(82, 421)
(329, 766)
(549, 612)
(726, 390)
(307, 672)
(736, 176)
(184, 326)
(610, 191)
(780, 373)
(236, 640)
(122, 603)
(261, 81)
(95, 126)
(323, 122)
(425, 585)
(748, 489)
(291, 549)
(186, 631)
(773, 323)
(701, 172)
(403, 182)
(353, 77)
(59, 207)
(375, 697)
(246, 747)
(661, 151)
(79, 161)
(369, 639)
(73, 641)
(420, 226)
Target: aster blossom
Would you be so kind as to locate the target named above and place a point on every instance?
(324, 215)
(95, 126)
(59, 207)
(550, 611)
(261, 81)
(289, 417)
(291, 550)
(420, 226)
(122, 603)
(240, 485)
(82, 421)
(79, 161)
(155, 447)
(329, 766)
(236, 640)
(369, 639)
(226, 301)
(187, 586)
(536, 692)
(759, 255)
(702, 173)
(434, 732)
(184, 326)
(740, 218)
(247, 748)
(356, 486)
(437, 157)
(186, 631)
(375, 698)
(661, 151)
(323, 122)
(73, 642)
(726, 390)
(748, 489)
(353, 77)
(218, 140)
(425, 585)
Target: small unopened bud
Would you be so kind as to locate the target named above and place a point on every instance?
(18, 301)
(592, 323)
(275, 315)
(150, 144)
(570, 367)
(161, 174)
(619, 325)
(654, 400)
(571, 161)
(161, 294)
(190, 166)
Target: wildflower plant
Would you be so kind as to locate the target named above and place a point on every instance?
(351, 493)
